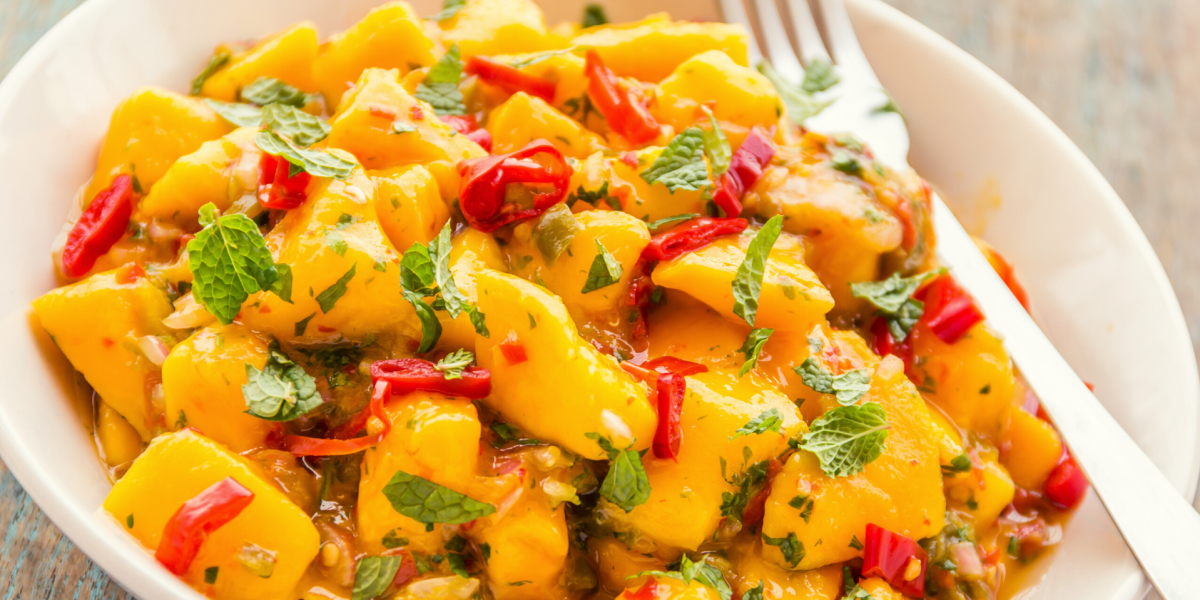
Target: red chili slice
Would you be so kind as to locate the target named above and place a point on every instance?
(467, 126)
(666, 375)
(670, 364)
(412, 374)
(887, 555)
(1004, 269)
(208, 511)
(745, 169)
(277, 188)
(692, 235)
(310, 446)
(1067, 485)
(513, 351)
(648, 591)
(884, 344)
(486, 182)
(625, 112)
(949, 310)
(508, 78)
(102, 223)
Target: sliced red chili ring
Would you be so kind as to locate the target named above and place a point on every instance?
(310, 446)
(508, 78)
(100, 226)
(413, 374)
(692, 235)
(626, 114)
(484, 195)
(745, 169)
(187, 529)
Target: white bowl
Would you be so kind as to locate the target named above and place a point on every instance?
(1097, 286)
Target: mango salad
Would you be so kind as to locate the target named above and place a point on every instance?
(466, 306)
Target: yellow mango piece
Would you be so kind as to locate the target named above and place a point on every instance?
(363, 127)
(971, 380)
(219, 172)
(178, 466)
(524, 118)
(840, 351)
(105, 350)
(984, 492)
(471, 251)
(1034, 449)
(738, 94)
(433, 436)
(946, 437)
(566, 388)
(900, 491)
(684, 508)
(669, 588)
(322, 248)
(149, 131)
(880, 589)
(687, 328)
(600, 182)
(791, 297)
(570, 83)
(408, 204)
(287, 56)
(616, 564)
(651, 49)
(119, 441)
(203, 378)
(391, 36)
(490, 27)
(528, 544)
(750, 568)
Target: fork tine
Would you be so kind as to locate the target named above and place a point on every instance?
(779, 48)
(843, 43)
(735, 13)
(812, 47)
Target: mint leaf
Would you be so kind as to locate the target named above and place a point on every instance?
(431, 328)
(818, 76)
(853, 590)
(329, 297)
(417, 270)
(748, 483)
(302, 325)
(748, 282)
(439, 254)
(605, 270)
(752, 348)
(300, 127)
(593, 15)
(893, 298)
(768, 420)
(281, 391)
(791, 547)
(626, 484)
(681, 164)
(266, 90)
(716, 146)
(449, 9)
(801, 105)
(427, 502)
(594, 197)
(848, 438)
(712, 577)
(373, 575)
(317, 163)
(672, 219)
(425, 272)
(282, 286)
(440, 87)
(506, 433)
(848, 387)
(756, 592)
(804, 504)
(242, 115)
(229, 260)
(453, 364)
(218, 60)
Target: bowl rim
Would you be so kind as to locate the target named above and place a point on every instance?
(136, 570)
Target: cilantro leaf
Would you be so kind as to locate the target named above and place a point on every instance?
(752, 347)
(593, 15)
(818, 76)
(801, 105)
(605, 270)
(318, 163)
(748, 282)
(681, 164)
(427, 502)
(229, 260)
(847, 438)
(654, 226)
(281, 391)
(329, 297)
(453, 364)
(218, 60)
(848, 387)
(373, 575)
(791, 547)
(449, 9)
(300, 127)
(440, 87)
(242, 115)
(768, 420)
(716, 146)
(266, 90)
(756, 592)
(626, 484)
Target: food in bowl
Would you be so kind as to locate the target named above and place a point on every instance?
(469, 307)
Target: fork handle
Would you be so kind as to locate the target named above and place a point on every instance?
(1160, 527)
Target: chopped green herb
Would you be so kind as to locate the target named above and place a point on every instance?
(453, 364)
(300, 127)
(265, 90)
(656, 225)
(449, 9)
(427, 502)
(593, 15)
(215, 62)
(767, 420)
(329, 297)
(752, 348)
(626, 484)
(958, 464)
(237, 113)
(681, 164)
(848, 387)
(281, 391)
(847, 438)
(440, 87)
(605, 270)
(229, 260)
(318, 163)
(716, 146)
(210, 575)
(818, 76)
(791, 547)
(373, 575)
(801, 105)
(747, 283)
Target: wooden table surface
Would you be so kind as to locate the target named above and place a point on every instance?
(1120, 77)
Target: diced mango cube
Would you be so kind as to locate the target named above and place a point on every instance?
(971, 379)
(984, 492)
(492, 27)
(735, 93)
(524, 118)
(650, 49)
(528, 544)
(751, 567)
(204, 176)
(178, 466)
(880, 589)
(410, 209)
(287, 56)
(1034, 449)
(119, 441)
(616, 563)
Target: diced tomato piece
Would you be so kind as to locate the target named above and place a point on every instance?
(745, 169)
(1066, 486)
(949, 310)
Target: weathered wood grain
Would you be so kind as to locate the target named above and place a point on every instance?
(1120, 77)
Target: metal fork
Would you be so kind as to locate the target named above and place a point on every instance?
(1160, 527)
